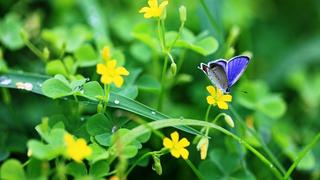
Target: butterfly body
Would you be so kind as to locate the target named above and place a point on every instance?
(224, 74)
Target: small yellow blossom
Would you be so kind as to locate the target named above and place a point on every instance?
(106, 53)
(203, 147)
(112, 74)
(176, 147)
(114, 178)
(217, 97)
(153, 10)
(76, 149)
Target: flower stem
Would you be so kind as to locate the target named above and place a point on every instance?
(208, 112)
(258, 137)
(194, 169)
(106, 93)
(163, 79)
(137, 161)
(302, 154)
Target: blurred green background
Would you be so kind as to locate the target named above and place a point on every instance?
(282, 80)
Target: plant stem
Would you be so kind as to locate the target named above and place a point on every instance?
(301, 155)
(137, 161)
(258, 137)
(207, 113)
(106, 93)
(163, 79)
(35, 50)
(194, 169)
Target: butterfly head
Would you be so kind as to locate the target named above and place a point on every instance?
(204, 67)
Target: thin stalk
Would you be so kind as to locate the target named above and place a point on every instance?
(194, 169)
(160, 35)
(302, 155)
(35, 50)
(258, 137)
(137, 161)
(106, 93)
(163, 79)
(207, 113)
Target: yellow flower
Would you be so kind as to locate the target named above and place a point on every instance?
(217, 97)
(76, 149)
(106, 53)
(203, 147)
(176, 147)
(153, 10)
(111, 74)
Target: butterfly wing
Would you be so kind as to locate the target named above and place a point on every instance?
(235, 68)
(216, 72)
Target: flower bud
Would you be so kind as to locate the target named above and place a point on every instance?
(156, 166)
(203, 147)
(173, 68)
(229, 120)
(230, 53)
(29, 153)
(46, 53)
(100, 108)
(24, 35)
(233, 35)
(183, 13)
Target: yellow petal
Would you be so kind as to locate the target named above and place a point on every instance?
(167, 143)
(175, 153)
(175, 137)
(106, 53)
(111, 64)
(118, 81)
(211, 100)
(105, 79)
(101, 68)
(222, 105)
(183, 142)
(211, 90)
(184, 153)
(153, 3)
(148, 14)
(68, 138)
(122, 71)
(227, 98)
(144, 10)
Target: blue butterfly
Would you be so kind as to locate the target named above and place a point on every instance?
(224, 74)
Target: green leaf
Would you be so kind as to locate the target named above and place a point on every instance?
(308, 162)
(99, 124)
(141, 52)
(115, 100)
(69, 64)
(56, 67)
(148, 83)
(92, 90)
(129, 151)
(98, 153)
(56, 88)
(205, 46)
(37, 169)
(273, 106)
(222, 164)
(144, 33)
(86, 56)
(12, 170)
(104, 139)
(10, 29)
(42, 151)
(99, 169)
(76, 169)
